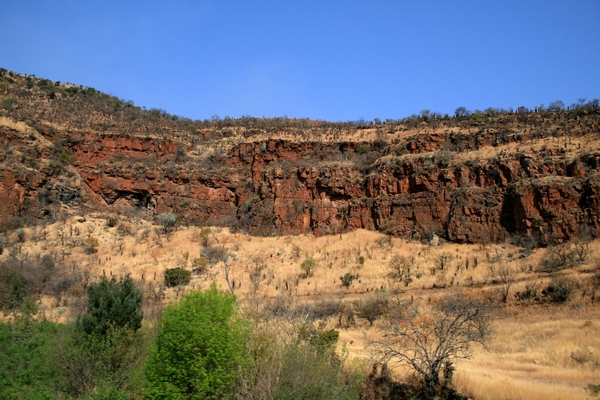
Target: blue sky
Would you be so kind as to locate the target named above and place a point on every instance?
(331, 60)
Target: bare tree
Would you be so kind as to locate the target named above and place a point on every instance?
(443, 260)
(400, 268)
(371, 308)
(505, 276)
(582, 248)
(427, 338)
(558, 256)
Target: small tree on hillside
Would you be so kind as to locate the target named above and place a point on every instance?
(505, 276)
(427, 339)
(177, 277)
(167, 221)
(308, 265)
(372, 308)
(16, 293)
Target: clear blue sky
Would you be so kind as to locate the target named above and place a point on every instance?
(332, 60)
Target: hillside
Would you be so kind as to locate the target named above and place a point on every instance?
(477, 177)
(317, 227)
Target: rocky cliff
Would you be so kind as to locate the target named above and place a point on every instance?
(481, 178)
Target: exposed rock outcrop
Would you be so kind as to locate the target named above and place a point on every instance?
(479, 179)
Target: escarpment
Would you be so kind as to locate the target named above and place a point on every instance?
(480, 178)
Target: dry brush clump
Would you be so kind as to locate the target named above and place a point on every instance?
(430, 339)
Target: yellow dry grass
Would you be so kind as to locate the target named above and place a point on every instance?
(532, 356)
(528, 357)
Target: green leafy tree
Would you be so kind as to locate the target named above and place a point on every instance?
(308, 265)
(201, 348)
(177, 276)
(99, 356)
(112, 304)
(15, 295)
(26, 347)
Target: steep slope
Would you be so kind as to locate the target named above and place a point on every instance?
(480, 177)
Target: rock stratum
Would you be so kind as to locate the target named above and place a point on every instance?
(479, 177)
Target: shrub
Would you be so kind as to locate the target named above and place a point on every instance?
(322, 340)
(201, 348)
(199, 264)
(400, 268)
(90, 245)
(167, 221)
(20, 235)
(177, 276)
(16, 293)
(560, 289)
(302, 367)
(347, 279)
(558, 257)
(204, 235)
(47, 261)
(111, 222)
(215, 254)
(363, 149)
(372, 308)
(325, 308)
(112, 304)
(308, 265)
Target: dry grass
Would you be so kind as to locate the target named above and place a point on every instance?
(529, 356)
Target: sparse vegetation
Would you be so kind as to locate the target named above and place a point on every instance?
(421, 185)
(347, 279)
(167, 221)
(177, 277)
(308, 266)
(428, 341)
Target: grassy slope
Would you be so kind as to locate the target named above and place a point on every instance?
(528, 357)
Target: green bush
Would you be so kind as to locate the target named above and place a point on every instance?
(363, 149)
(112, 305)
(302, 367)
(25, 370)
(347, 279)
(99, 366)
(97, 358)
(177, 276)
(308, 265)
(201, 348)
(15, 294)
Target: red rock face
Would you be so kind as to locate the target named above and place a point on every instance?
(280, 187)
